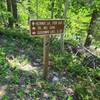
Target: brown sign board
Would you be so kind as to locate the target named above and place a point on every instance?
(43, 27)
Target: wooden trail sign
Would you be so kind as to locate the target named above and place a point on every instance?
(46, 27)
(43, 27)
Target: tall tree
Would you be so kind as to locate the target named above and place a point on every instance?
(9, 9)
(91, 28)
(29, 10)
(14, 10)
(52, 11)
(59, 8)
(65, 7)
(62, 35)
(95, 6)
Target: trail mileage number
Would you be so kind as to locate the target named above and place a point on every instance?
(43, 27)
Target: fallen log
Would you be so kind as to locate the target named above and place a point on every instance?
(90, 59)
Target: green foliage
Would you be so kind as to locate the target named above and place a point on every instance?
(26, 49)
(4, 98)
(20, 94)
(61, 61)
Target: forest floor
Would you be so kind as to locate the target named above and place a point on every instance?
(21, 72)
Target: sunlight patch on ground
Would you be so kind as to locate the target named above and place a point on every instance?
(95, 51)
(3, 90)
(98, 52)
(25, 66)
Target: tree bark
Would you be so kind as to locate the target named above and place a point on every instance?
(65, 8)
(59, 8)
(14, 10)
(91, 28)
(62, 35)
(9, 9)
(29, 11)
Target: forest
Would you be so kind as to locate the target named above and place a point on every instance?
(64, 65)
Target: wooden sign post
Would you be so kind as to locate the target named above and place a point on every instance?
(46, 56)
(46, 28)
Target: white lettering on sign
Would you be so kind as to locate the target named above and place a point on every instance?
(60, 22)
(48, 23)
(52, 31)
(39, 27)
(33, 33)
(42, 32)
(33, 28)
(33, 23)
(54, 23)
(46, 26)
(52, 27)
(40, 23)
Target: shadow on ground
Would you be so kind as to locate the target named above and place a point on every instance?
(18, 76)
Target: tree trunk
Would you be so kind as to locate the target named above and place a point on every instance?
(62, 35)
(59, 8)
(14, 10)
(91, 28)
(9, 9)
(29, 11)
(65, 8)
